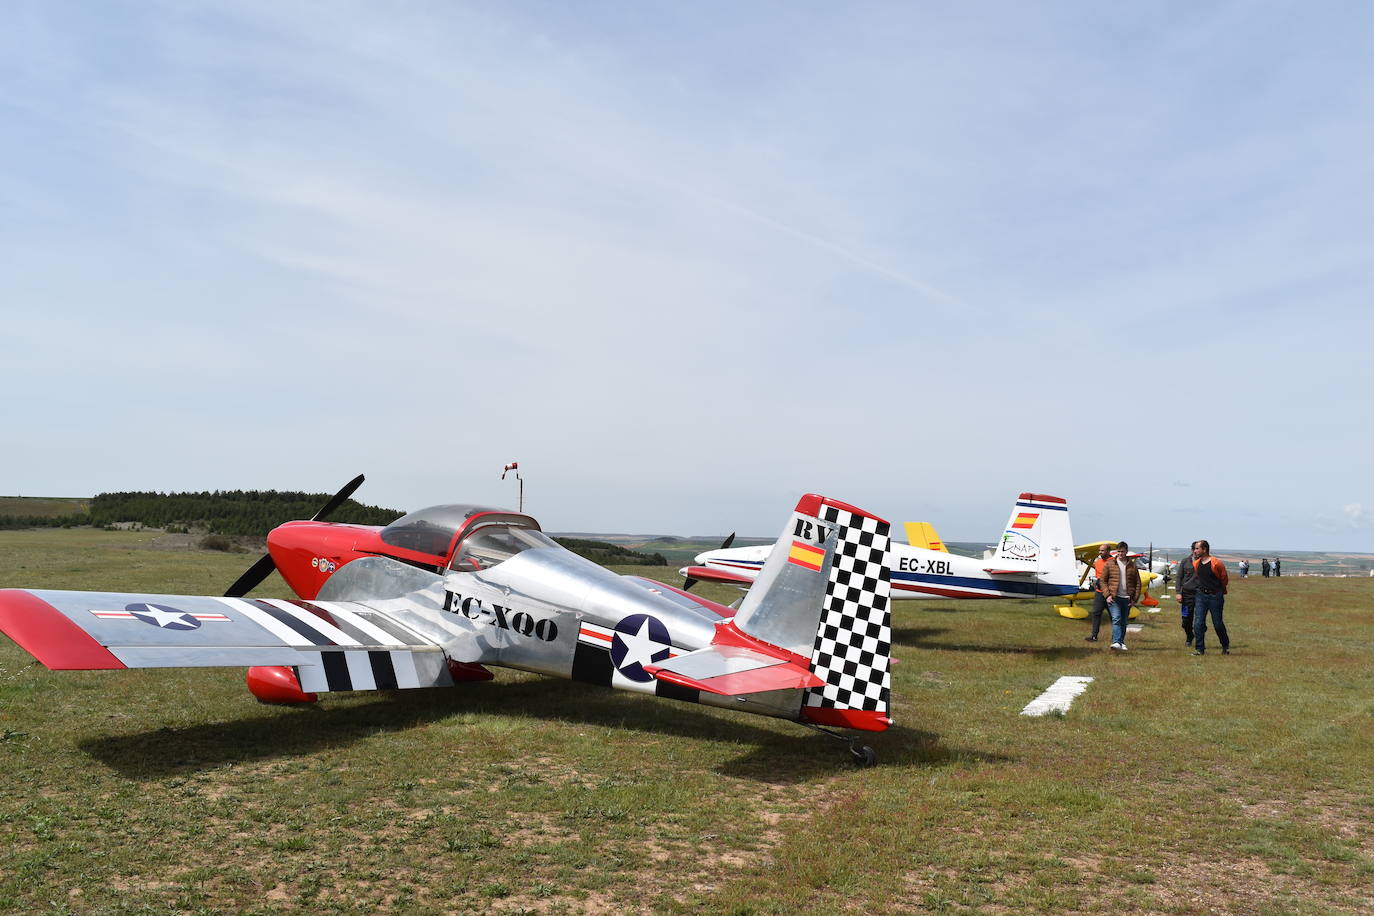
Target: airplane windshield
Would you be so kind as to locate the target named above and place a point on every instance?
(492, 544)
(432, 530)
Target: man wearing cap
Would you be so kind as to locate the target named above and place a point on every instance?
(1120, 585)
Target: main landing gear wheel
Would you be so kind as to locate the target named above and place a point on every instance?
(863, 755)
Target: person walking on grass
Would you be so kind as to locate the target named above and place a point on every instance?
(1187, 594)
(1104, 555)
(1120, 585)
(1211, 598)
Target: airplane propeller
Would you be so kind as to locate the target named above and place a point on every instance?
(688, 582)
(265, 564)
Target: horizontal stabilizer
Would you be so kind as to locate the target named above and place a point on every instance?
(733, 670)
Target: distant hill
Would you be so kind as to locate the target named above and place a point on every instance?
(43, 511)
(608, 554)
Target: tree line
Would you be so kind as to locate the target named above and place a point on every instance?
(241, 513)
(611, 554)
(253, 513)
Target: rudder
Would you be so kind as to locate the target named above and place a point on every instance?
(853, 648)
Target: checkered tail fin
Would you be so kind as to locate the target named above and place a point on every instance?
(823, 596)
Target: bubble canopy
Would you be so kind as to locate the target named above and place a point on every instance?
(488, 535)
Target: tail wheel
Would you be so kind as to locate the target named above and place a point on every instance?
(863, 755)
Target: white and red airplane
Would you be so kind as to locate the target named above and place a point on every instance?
(1034, 558)
(436, 596)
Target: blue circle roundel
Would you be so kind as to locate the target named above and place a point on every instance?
(160, 615)
(639, 640)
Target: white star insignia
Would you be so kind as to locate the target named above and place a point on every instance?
(640, 647)
(160, 617)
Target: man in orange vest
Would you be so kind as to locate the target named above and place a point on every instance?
(1210, 599)
(1104, 552)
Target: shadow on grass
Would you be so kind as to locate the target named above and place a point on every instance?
(920, 638)
(775, 756)
(299, 731)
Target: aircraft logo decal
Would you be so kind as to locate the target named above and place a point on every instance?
(1018, 546)
(639, 640)
(1025, 519)
(160, 615)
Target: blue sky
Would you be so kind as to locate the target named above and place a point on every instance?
(687, 261)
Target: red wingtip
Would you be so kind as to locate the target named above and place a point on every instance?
(49, 636)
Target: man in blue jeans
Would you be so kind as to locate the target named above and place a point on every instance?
(1120, 584)
(1210, 598)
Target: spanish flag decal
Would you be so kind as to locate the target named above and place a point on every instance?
(1025, 519)
(807, 555)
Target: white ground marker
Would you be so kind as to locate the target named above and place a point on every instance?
(1058, 697)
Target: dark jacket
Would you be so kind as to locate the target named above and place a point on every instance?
(1187, 577)
(1210, 575)
(1111, 579)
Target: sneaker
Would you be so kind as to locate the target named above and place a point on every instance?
(1121, 646)
(1090, 639)
(1225, 651)
(1117, 645)
(1199, 653)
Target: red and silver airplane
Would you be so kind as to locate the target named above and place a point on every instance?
(1034, 558)
(440, 594)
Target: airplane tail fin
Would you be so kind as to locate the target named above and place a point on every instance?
(923, 535)
(1038, 539)
(823, 595)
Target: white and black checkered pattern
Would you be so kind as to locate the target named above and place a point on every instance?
(854, 641)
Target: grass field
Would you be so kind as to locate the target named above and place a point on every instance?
(1237, 784)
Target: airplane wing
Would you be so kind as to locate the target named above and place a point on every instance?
(712, 574)
(332, 645)
(1086, 553)
(712, 610)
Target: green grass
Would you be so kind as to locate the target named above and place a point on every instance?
(1174, 785)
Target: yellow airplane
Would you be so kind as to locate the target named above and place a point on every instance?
(1086, 554)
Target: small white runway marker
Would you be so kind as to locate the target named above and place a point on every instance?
(1058, 697)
